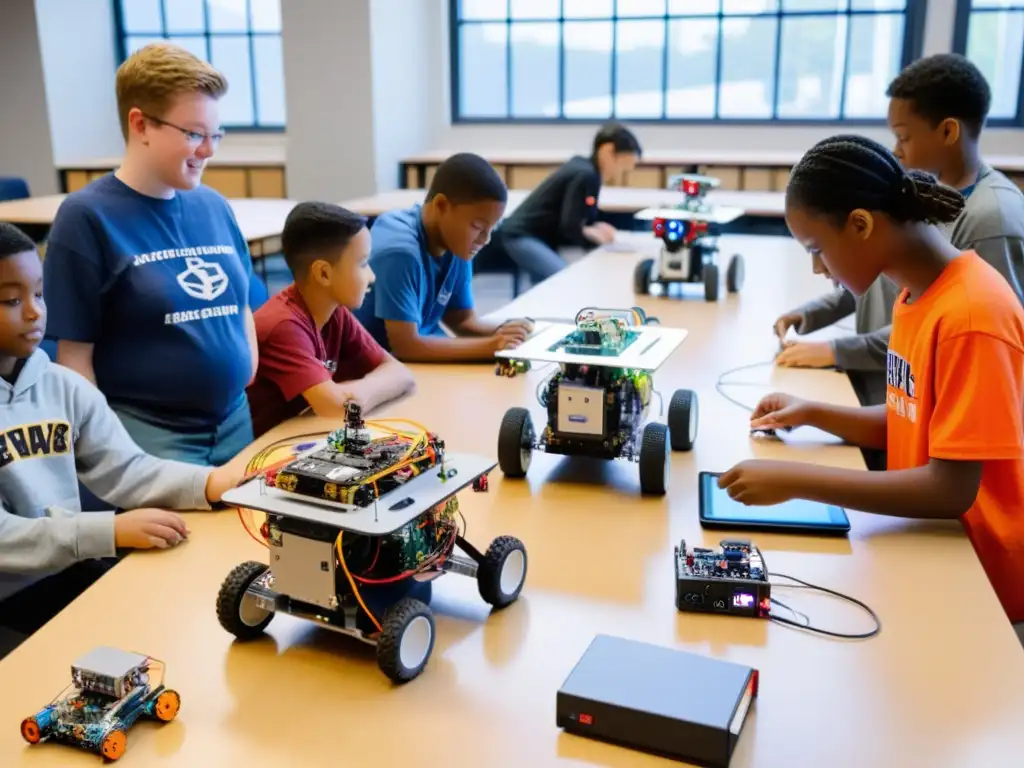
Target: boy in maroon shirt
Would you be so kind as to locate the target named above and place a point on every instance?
(313, 352)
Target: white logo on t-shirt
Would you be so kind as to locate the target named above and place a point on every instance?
(203, 279)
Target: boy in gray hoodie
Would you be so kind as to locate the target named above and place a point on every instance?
(56, 429)
(938, 106)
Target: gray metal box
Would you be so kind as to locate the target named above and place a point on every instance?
(304, 570)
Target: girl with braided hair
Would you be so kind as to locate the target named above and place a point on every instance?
(953, 419)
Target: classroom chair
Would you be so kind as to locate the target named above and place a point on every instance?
(13, 188)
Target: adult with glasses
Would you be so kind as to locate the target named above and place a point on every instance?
(148, 278)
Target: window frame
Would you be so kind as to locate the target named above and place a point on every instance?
(121, 36)
(913, 43)
(961, 28)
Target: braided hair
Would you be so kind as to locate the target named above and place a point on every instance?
(846, 172)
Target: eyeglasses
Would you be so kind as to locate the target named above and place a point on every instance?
(195, 138)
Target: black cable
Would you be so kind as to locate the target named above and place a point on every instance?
(810, 627)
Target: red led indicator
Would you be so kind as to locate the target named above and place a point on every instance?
(586, 719)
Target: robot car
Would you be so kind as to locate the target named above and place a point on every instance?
(689, 233)
(110, 690)
(598, 398)
(354, 519)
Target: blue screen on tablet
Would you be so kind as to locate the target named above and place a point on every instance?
(718, 506)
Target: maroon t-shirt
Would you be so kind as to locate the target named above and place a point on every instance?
(295, 356)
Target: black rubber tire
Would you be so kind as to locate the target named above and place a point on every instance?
(642, 276)
(681, 409)
(734, 274)
(515, 435)
(654, 455)
(229, 600)
(711, 282)
(396, 620)
(488, 575)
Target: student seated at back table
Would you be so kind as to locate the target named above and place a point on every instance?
(313, 352)
(421, 261)
(938, 106)
(148, 276)
(56, 429)
(562, 211)
(953, 421)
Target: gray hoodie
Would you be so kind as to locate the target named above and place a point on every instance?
(991, 223)
(56, 429)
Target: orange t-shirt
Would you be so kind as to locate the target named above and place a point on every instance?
(955, 384)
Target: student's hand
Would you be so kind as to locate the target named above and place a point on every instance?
(760, 482)
(807, 354)
(223, 479)
(598, 235)
(780, 411)
(508, 337)
(608, 230)
(522, 323)
(787, 321)
(149, 528)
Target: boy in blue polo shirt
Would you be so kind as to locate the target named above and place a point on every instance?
(148, 277)
(421, 260)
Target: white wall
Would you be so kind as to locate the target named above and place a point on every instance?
(329, 99)
(938, 38)
(25, 149)
(77, 41)
(405, 117)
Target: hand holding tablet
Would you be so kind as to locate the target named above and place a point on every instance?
(752, 496)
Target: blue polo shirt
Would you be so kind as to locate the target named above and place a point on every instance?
(160, 288)
(410, 284)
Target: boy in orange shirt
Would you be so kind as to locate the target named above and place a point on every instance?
(952, 422)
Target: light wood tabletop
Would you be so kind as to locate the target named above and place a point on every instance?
(259, 218)
(612, 200)
(941, 686)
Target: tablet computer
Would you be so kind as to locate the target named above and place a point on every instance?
(718, 510)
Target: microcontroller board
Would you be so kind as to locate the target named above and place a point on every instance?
(730, 579)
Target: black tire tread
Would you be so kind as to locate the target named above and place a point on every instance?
(389, 644)
(488, 575)
(679, 407)
(653, 448)
(230, 596)
(642, 276)
(510, 441)
(711, 282)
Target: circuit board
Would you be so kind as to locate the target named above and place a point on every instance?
(730, 579)
(355, 468)
(595, 341)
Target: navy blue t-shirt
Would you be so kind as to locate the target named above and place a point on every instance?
(410, 284)
(161, 289)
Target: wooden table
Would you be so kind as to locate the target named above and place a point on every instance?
(621, 200)
(940, 687)
(260, 220)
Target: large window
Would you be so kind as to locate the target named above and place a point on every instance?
(991, 34)
(679, 60)
(241, 38)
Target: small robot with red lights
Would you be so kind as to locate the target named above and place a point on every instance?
(689, 232)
